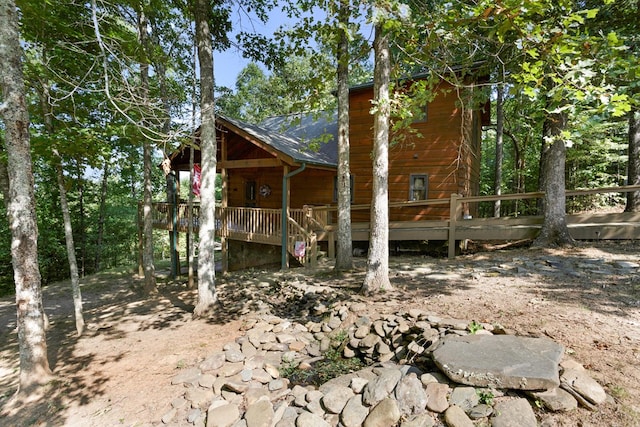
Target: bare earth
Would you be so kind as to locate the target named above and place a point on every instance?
(119, 372)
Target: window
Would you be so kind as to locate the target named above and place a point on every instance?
(250, 194)
(335, 188)
(419, 185)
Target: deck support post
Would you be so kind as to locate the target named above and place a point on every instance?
(285, 212)
(453, 218)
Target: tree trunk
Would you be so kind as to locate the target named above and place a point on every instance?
(497, 185)
(344, 254)
(377, 274)
(147, 219)
(102, 213)
(633, 198)
(206, 262)
(64, 207)
(71, 251)
(34, 365)
(81, 227)
(554, 230)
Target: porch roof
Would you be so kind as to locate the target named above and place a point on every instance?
(294, 137)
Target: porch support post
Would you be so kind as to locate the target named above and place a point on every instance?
(285, 212)
(223, 205)
(175, 261)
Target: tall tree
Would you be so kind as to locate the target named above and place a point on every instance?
(377, 274)
(34, 365)
(147, 220)
(206, 262)
(633, 168)
(344, 254)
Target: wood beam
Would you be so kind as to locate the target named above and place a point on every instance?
(250, 163)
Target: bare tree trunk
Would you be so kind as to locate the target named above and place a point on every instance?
(497, 185)
(377, 275)
(81, 227)
(71, 251)
(64, 207)
(34, 365)
(103, 214)
(208, 145)
(344, 254)
(633, 198)
(554, 230)
(147, 220)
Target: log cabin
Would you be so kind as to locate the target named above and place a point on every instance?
(277, 176)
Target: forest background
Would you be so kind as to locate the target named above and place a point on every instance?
(88, 116)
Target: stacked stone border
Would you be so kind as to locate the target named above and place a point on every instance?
(401, 386)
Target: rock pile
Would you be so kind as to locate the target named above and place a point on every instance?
(491, 379)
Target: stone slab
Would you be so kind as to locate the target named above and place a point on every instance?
(500, 361)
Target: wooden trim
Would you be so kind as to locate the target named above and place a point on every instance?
(252, 139)
(250, 163)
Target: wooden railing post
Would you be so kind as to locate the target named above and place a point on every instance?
(453, 218)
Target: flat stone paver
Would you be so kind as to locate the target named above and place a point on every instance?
(501, 361)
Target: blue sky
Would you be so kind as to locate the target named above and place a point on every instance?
(228, 64)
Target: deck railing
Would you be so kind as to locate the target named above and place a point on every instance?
(314, 223)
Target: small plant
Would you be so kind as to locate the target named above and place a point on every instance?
(486, 397)
(618, 392)
(181, 364)
(331, 366)
(474, 327)
(287, 368)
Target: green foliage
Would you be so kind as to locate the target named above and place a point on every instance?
(331, 366)
(474, 327)
(485, 396)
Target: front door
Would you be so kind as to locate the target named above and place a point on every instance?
(250, 194)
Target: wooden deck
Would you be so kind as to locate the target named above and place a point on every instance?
(312, 224)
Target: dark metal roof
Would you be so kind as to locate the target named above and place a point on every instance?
(296, 138)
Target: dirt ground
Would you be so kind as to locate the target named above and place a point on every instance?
(119, 372)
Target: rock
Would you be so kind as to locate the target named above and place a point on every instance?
(437, 397)
(193, 415)
(361, 332)
(380, 387)
(253, 394)
(307, 419)
(234, 355)
(259, 414)
(410, 395)
(433, 377)
(187, 376)
(296, 346)
(386, 413)
(556, 399)
(169, 416)
(583, 384)
(420, 420)
(454, 416)
(230, 369)
(513, 413)
(213, 362)
(369, 341)
(500, 361)
(354, 412)
(236, 386)
(480, 411)
(206, 380)
(222, 416)
(335, 399)
(464, 397)
(357, 384)
(199, 398)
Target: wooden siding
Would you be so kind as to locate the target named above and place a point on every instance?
(312, 187)
(436, 151)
